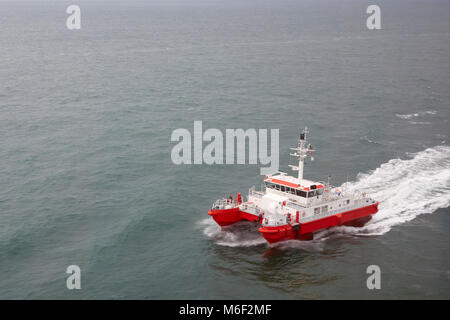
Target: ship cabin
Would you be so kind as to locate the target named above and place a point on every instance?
(303, 192)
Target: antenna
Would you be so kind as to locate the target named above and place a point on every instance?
(301, 152)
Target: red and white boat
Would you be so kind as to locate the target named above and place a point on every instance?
(290, 207)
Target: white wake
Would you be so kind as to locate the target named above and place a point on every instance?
(404, 188)
(244, 234)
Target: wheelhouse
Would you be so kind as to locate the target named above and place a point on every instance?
(304, 192)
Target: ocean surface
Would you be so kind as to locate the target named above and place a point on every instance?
(86, 116)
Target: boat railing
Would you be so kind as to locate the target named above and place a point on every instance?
(251, 208)
(224, 203)
(255, 193)
(361, 195)
(331, 212)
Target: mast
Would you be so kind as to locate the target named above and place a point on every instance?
(301, 152)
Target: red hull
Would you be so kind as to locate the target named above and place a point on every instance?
(227, 217)
(304, 231)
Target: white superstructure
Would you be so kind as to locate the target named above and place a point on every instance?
(283, 196)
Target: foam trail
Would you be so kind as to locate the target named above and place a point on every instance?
(404, 188)
(417, 114)
(242, 235)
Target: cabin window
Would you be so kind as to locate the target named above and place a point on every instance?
(348, 201)
(288, 190)
(324, 209)
(283, 188)
(311, 194)
(317, 210)
(277, 187)
(319, 191)
(301, 193)
(293, 191)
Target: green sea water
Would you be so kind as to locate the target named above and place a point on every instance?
(86, 116)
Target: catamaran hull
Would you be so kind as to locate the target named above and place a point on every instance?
(305, 231)
(302, 231)
(226, 217)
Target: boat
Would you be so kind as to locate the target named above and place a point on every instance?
(294, 208)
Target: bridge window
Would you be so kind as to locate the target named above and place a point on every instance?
(311, 194)
(301, 193)
(319, 191)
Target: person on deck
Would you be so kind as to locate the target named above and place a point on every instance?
(260, 217)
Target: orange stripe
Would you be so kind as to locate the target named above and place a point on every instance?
(289, 184)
